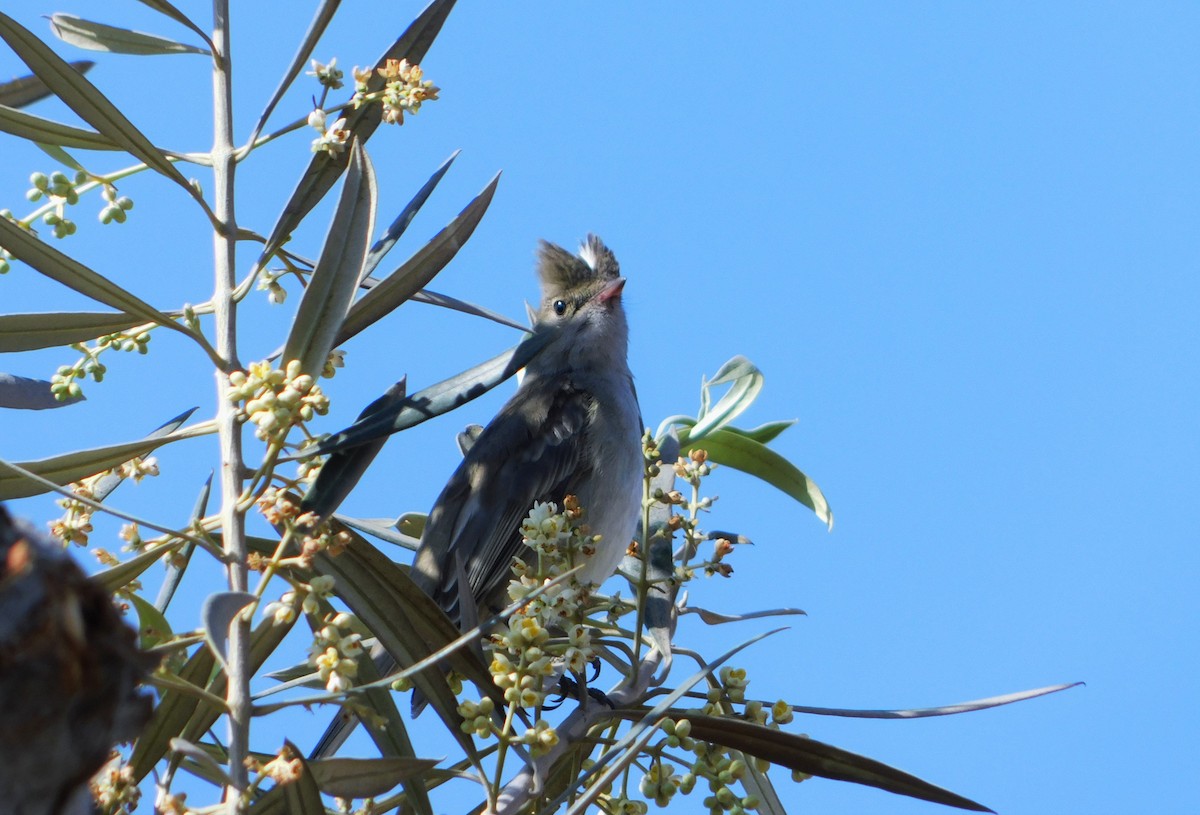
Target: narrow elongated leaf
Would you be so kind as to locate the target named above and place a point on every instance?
(20, 393)
(440, 398)
(177, 566)
(454, 304)
(422, 267)
(323, 171)
(48, 131)
(163, 7)
(70, 467)
(366, 777)
(71, 273)
(93, 36)
(715, 618)
(742, 453)
(381, 531)
(218, 612)
(745, 383)
(817, 758)
(84, 98)
(941, 710)
(104, 486)
(28, 332)
(26, 90)
(400, 224)
(119, 576)
(316, 28)
(342, 471)
(327, 298)
(183, 747)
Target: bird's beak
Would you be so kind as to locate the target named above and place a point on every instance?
(612, 291)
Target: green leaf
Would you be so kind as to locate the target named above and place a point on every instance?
(83, 97)
(400, 224)
(62, 157)
(366, 777)
(70, 467)
(342, 471)
(323, 171)
(18, 93)
(816, 758)
(47, 131)
(29, 332)
(21, 393)
(153, 628)
(316, 28)
(764, 433)
(94, 36)
(422, 267)
(742, 453)
(440, 398)
(71, 273)
(745, 383)
(323, 308)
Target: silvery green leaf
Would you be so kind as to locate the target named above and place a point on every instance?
(93, 36)
(366, 777)
(810, 756)
(164, 7)
(411, 277)
(454, 304)
(401, 222)
(745, 383)
(440, 398)
(29, 332)
(177, 566)
(743, 453)
(218, 611)
(17, 93)
(20, 393)
(319, 320)
(83, 97)
(316, 28)
(54, 264)
(46, 131)
(714, 618)
(71, 467)
(342, 470)
(185, 748)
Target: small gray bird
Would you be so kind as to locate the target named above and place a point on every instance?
(572, 428)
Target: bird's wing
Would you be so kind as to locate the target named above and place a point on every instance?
(534, 450)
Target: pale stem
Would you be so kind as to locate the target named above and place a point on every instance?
(237, 696)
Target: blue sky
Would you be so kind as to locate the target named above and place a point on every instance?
(960, 241)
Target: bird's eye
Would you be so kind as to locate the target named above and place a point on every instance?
(560, 307)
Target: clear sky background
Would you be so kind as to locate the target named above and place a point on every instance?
(958, 238)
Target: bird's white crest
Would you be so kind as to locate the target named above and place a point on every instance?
(588, 254)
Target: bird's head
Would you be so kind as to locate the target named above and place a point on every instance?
(582, 294)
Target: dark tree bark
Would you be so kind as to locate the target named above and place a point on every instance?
(69, 670)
